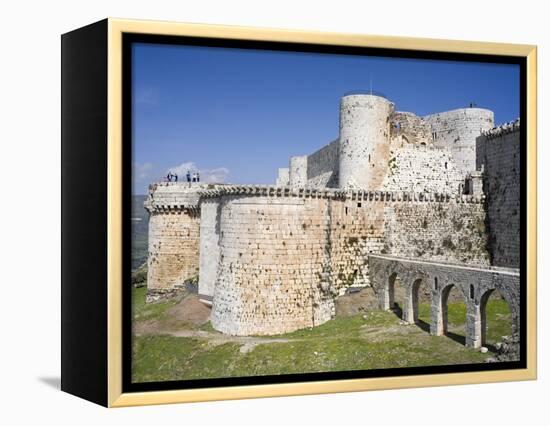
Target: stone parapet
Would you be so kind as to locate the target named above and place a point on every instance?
(167, 196)
(503, 129)
(342, 194)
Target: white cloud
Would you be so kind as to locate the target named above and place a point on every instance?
(218, 175)
(142, 170)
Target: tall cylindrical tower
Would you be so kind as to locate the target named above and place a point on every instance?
(364, 140)
(457, 130)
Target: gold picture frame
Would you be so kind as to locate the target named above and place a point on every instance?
(115, 397)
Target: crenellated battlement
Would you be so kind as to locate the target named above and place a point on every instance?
(172, 208)
(351, 194)
(503, 129)
(174, 197)
(273, 191)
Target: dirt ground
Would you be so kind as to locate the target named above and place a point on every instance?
(358, 302)
(185, 320)
(190, 310)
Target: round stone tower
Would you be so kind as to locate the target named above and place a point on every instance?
(364, 140)
(457, 130)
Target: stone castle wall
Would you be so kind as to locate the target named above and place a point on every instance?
(422, 168)
(457, 130)
(323, 166)
(407, 127)
(452, 231)
(498, 153)
(285, 255)
(357, 229)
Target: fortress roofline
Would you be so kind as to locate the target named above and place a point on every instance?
(342, 194)
(409, 113)
(365, 93)
(451, 111)
(502, 129)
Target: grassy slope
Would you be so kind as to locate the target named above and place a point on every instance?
(148, 311)
(346, 343)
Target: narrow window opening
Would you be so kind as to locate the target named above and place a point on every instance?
(472, 291)
(435, 283)
(358, 204)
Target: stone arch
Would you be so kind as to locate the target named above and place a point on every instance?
(396, 277)
(439, 312)
(445, 292)
(440, 279)
(415, 289)
(484, 299)
(390, 290)
(483, 314)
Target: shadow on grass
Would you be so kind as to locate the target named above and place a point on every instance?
(397, 310)
(456, 337)
(423, 325)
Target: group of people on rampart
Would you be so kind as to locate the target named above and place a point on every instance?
(191, 177)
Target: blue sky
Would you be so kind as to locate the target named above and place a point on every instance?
(237, 115)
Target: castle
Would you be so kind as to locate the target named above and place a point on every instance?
(433, 198)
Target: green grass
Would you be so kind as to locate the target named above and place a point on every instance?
(339, 326)
(498, 318)
(161, 358)
(344, 343)
(142, 311)
(498, 321)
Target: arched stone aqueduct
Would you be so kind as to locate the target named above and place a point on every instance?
(476, 284)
